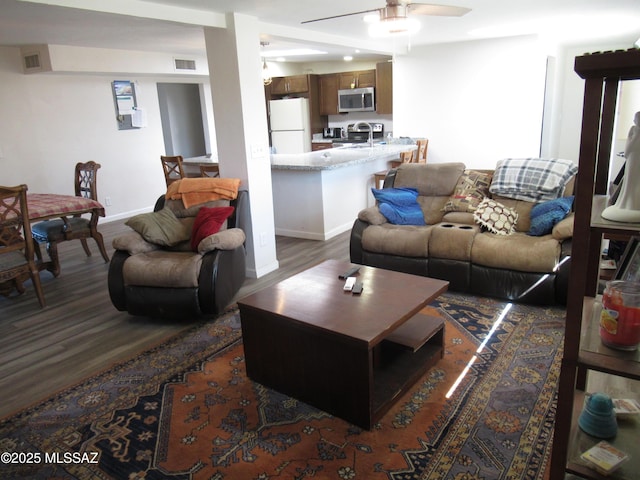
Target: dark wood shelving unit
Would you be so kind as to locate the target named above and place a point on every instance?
(583, 350)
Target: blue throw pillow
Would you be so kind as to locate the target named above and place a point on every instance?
(399, 205)
(546, 214)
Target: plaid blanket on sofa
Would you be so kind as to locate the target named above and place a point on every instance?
(532, 179)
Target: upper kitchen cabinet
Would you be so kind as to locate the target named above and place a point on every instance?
(329, 94)
(384, 88)
(360, 79)
(290, 84)
(304, 86)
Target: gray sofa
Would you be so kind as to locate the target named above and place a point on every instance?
(453, 246)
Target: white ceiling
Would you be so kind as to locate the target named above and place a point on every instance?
(122, 24)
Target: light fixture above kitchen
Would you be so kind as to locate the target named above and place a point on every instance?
(266, 74)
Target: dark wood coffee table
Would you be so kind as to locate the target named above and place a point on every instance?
(350, 355)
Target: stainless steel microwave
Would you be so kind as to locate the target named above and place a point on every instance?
(356, 100)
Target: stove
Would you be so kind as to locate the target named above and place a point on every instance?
(361, 133)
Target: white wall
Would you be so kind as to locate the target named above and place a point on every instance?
(51, 121)
(476, 102)
(568, 116)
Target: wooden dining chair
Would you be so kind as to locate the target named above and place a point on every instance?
(421, 153)
(16, 244)
(172, 168)
(405, 157)
(209, 170)
(77, 227)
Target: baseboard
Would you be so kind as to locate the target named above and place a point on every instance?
(314, 235)
(125, 215)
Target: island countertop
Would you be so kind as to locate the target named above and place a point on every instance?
(338, 157)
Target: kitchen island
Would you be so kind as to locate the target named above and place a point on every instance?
(318, 195)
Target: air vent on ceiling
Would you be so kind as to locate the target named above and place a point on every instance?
(35, 58)
(32, 61)
(182, 64)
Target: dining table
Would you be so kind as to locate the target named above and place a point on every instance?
(45, 206)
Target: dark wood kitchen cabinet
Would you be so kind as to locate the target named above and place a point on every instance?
(290, 84)
(359, 79)
(384, 88)
(329, 94)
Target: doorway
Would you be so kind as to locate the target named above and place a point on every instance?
(183, 119)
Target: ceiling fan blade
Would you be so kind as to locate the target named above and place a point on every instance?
(340, 16)
(437, 10)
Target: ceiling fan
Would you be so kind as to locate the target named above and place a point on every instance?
(395, 16)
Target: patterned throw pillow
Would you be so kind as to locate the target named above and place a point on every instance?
(471, 189)
(496, 217)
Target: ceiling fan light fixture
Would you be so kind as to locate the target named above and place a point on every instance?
(394, 26)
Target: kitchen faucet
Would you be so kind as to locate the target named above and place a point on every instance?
(356, 127)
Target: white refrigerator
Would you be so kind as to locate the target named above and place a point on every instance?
(290, 132)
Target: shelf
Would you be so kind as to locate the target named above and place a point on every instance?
(602, 73)
(417, 331)
(594, 355)
(626, 440)
(600, 202)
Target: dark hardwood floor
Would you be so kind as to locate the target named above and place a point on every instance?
(80, 332)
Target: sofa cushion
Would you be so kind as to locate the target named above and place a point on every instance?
(533, 179)
(431, 180)
(470, 190)
(162, 268)
(161, 227)
(545, 215)
(496, 217)
(519, 252)
(521, 207)
(432, 208)
(399, 205)
(181, 212)
(459, 217)
(403, 240)
(133, 243)
(207, 222)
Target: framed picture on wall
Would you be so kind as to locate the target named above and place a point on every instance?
(629, 268)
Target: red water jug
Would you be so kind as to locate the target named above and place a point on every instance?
(620, 317)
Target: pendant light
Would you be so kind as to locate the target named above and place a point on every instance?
(266, 75)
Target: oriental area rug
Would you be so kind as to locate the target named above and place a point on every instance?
(186, 410)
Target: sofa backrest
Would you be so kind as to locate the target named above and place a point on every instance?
(435, 183)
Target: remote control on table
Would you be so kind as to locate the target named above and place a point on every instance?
(348, 273)
(348, 285)
(357, 288)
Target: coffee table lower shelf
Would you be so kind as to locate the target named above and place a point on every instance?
(348, 379)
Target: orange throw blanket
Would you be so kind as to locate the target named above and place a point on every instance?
(193, 191)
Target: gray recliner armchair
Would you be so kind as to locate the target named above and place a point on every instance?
(182, 280)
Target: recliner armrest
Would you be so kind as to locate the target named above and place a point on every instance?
(223, 240)
(355, 244)
(372, 216)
